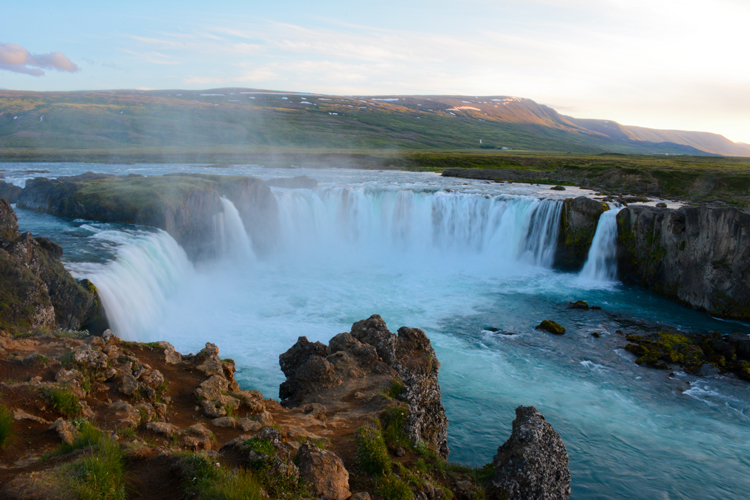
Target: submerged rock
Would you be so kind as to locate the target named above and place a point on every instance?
(551, 327)
(533, 463)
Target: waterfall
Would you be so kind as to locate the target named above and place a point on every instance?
(601, 264)
(232, 240)
(366, 224)
(134, 287)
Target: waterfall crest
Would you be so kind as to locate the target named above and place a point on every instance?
(601, 263)
(392, 224)
(134, 287)
(232, 240)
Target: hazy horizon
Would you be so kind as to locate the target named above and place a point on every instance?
(659, 64)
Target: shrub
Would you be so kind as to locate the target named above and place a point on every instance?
(6, 427)
(88, 435)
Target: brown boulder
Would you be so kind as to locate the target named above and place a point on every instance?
(324, 472)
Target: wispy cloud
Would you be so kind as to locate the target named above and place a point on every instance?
(19, 60)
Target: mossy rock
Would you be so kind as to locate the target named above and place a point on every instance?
(551, 327)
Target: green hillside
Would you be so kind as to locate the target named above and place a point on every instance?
(240, 119)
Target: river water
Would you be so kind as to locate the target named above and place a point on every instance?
(454, 257)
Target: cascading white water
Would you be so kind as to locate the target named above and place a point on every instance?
(601, 264)
(135, 286)
(378, 225)
(232, 239)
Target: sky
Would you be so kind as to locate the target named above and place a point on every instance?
(670, 64)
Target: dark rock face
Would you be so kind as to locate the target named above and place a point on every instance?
(533, 463)
(372, 352)
(578, 221)
(37, 292)
(9, 192)
(184, 205)
(698, 255)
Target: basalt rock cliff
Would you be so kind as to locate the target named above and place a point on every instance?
(579, 218)
(37, 292)
(698, 255)
(187, 206)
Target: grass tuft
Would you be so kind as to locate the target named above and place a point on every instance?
(208, 480)
(64, 401)
(6, 427)
(98, 476)
(372, 451)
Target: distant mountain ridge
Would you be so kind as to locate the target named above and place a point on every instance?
(237, 117)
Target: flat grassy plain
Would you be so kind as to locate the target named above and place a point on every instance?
(696, 179)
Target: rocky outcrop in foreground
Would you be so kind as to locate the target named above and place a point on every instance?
(37, 292)
(533, 463)
(180, 424)
(405, 365)
(698, 255)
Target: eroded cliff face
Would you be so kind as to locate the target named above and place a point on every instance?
(37, 292)
(698, 255)
(186, 205)
(579, 218)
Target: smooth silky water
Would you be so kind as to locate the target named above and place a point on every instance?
(452, 257)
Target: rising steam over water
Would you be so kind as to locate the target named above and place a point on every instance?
(453, 260)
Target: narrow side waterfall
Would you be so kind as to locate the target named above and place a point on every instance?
(388, 224)
(232, 239)
(135, 286)
(601, 264)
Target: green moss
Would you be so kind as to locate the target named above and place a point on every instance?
(551, 327)
(261, 446)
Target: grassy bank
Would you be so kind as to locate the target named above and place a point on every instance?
(690, 178)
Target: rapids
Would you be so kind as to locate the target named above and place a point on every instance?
(452, 257)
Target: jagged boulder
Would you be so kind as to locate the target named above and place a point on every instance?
(579, 218)
(371, 354)
(324, 472)
(533, 463)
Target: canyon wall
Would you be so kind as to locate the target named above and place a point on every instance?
(697, 255)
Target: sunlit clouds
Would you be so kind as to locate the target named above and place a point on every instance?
(19, 60)
(656, 63)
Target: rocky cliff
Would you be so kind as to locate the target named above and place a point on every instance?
(579, 218)
(186, 206)
(698, 255)
(37, 292)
